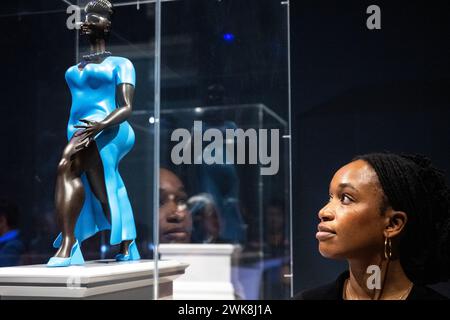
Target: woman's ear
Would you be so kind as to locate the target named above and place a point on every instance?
(396, 223)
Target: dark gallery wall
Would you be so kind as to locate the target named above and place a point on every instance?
(356, 90)
(34, 53)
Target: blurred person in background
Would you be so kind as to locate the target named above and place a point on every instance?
(11, 246)
(175, 220)
(206, 219)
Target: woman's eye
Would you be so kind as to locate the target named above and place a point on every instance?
(182, 201)
(345, 199)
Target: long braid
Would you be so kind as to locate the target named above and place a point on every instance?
(411, 184)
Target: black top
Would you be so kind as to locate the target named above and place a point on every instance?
(333, 291)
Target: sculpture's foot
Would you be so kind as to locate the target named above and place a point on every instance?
(76, 258)
(131, 254)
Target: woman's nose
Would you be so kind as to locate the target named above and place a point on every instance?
(177, 213)
(181, 212)
(326, 213)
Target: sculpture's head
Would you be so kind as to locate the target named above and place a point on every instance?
(98, 19)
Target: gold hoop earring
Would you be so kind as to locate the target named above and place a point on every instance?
(387, 248)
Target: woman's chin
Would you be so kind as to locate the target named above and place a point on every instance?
(328, 252)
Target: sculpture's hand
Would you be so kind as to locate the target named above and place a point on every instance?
(91, 129)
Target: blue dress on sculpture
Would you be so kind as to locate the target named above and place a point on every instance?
(93, 92)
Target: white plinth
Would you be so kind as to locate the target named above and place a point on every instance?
(103, 279)
(208, 276)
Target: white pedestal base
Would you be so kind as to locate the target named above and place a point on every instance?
(209, 275)
(103, 279)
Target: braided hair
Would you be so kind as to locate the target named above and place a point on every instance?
(411, 184)
(103, 7)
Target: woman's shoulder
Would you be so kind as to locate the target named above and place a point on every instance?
(119, 61)
(329, 291)
(333, 291)
(419, 292)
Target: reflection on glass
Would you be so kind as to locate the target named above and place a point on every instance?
(175, 221)
(206, 219)
(228, 69)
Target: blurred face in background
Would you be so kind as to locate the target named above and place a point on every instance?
(207, 224)
(175, 221)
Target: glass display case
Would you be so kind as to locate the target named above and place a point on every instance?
(210, 170)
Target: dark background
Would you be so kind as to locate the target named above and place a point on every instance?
(354, 90)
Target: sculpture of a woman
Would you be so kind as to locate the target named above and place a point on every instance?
(90, 195)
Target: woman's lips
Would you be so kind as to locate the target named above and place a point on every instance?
(324, 235)
(176, 234)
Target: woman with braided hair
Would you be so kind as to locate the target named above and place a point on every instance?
(388, 215)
